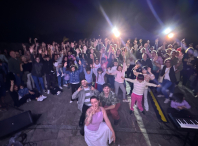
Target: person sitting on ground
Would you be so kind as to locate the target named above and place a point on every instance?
(138, 90)
(179, 103)
(110, 103)
(97, 132)
(25, 96)
(83, 95)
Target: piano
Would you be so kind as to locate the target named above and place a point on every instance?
(187, 122)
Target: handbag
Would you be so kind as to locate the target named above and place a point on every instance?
(160, 80)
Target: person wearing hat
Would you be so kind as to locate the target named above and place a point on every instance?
(110, 103)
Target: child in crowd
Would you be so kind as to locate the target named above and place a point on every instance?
(119, 81)
(138, 90)
(99, 73)
(146, 71)
(179, 103)
(97, 64)
(88, 75)
(74, 77)
(111, 78)
(104, 63)
(58, 65)
(66, 76)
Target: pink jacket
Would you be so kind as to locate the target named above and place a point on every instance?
(120, 74)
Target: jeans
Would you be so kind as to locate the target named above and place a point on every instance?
(17, 80)
(74, 87)
(51, 80)
(111, 80)
(122, 87)
(82, 117)
(164, 86)
(36, 81)
(99, 87)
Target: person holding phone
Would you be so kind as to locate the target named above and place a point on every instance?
(83, 95)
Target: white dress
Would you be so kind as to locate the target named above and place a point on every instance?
(99, 137)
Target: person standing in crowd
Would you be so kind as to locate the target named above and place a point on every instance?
(26, 68)
(146, 71)
(138, 91)
(14, 67)
(97, 132)
(119, 82)
(110, 103)
(37, 70)
(188, 62)
(49, 72)
(74, 77)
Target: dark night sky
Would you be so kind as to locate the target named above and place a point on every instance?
(51, 20)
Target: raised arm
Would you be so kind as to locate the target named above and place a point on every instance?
(152, 85)
(130, 80)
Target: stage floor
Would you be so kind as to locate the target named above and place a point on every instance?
(58, 125)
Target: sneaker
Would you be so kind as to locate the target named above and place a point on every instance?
(196, 96)
(44, 97)
(48, 91)
(131, 112)
(59, 92)
(28, 100)
(160, 95)
(125, 100)
(70, 101)
(167, 100)
(116, 122)
(65, 85)
(60, 87)
(45, 91)
(40, 99)
(143, 112)
(62, 75)
(58, 74)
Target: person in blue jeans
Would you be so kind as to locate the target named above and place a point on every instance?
(37, 70)
(74, 76)
(169, 78)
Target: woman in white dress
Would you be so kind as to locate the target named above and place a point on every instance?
(97, 132)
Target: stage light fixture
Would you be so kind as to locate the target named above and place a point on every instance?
(167, 31)
(170, 35)
(116, 32)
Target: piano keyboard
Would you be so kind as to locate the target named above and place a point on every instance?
(187, 123)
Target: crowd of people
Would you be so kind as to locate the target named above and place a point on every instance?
(96, 70)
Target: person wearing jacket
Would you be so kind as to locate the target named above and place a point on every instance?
(83, 95)
(49, 72)
(74, 76)
(37, 70)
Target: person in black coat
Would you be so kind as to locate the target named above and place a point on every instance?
(37, 70)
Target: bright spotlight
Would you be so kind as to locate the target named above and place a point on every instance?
(166, 31)
(170, 35)
(116, 32)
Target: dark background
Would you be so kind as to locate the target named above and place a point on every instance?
(52, 20)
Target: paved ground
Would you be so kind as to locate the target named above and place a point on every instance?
(58, 125)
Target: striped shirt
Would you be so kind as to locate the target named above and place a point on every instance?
(139, 86)
(87, 97)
